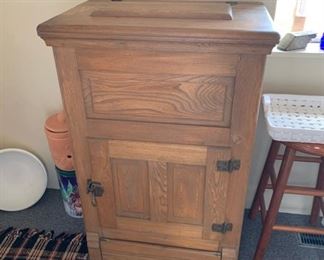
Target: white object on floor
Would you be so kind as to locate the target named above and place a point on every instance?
(23, 179)
(295, 118)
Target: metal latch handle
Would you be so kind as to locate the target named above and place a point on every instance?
(228, 166)
(222, 228)
(96, 190)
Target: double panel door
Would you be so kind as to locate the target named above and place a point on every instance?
(165, 194)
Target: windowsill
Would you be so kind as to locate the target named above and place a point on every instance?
(311, 51)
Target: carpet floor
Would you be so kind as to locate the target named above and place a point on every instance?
(283, 245)
(49, 214)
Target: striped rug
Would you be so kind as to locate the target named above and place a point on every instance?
(31, 244)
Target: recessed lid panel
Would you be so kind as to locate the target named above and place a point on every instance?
(160, 10)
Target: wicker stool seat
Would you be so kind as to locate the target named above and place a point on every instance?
(297, 123)
(295, 118)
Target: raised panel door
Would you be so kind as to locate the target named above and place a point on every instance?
(160, 193)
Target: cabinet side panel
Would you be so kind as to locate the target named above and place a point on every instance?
(244, 117)
(70, 84)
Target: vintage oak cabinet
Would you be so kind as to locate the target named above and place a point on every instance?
(162, 100)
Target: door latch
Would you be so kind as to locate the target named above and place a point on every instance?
(228, 166)
(222, 228)
(96, 190)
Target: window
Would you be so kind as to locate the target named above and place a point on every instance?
(300, 15)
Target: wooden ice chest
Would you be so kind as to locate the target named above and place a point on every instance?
(162, 100)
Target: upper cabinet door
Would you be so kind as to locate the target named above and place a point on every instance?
(160, 193)
(183, 88)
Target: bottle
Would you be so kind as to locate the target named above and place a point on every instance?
(322, 42)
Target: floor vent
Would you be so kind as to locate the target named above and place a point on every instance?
(311, 240)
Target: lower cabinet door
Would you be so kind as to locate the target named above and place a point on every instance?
(162, 194)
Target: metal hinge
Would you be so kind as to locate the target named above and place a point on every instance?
(96, 190)
(222, 228)
(228, 166)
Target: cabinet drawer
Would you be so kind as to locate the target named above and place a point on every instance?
(179, 88)
(122, 250)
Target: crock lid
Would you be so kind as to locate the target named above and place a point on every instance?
(57, 123)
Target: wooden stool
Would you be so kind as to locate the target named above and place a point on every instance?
(297, 123)
(279, 186)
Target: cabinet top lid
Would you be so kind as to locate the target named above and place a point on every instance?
(128, 19)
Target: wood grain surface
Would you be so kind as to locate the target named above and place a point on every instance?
(215, 202)
(69, 80)
(131, 188)
(152, 62)
(189, 10)
(186, 186)
(165, 193)
(250, 26)
(119, 250)
(158, 132)
(171, 98)
(158, 191)
(155, 95)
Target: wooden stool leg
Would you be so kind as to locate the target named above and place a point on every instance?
(318, 200)
(273, 152)
(276, 198)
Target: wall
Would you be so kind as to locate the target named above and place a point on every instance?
(28, 87)
(1, 73)
(290, 74)
(29, 90)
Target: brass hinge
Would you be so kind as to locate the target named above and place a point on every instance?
(228, 166)
(96, 190)
(222, 228)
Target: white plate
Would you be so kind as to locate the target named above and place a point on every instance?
(23, 179)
